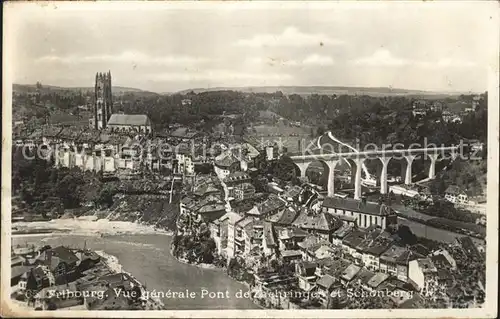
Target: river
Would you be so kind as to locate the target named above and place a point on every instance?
(434, 233)
(148, 258)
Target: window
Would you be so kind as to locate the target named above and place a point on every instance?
(370, 220)
(365, 220)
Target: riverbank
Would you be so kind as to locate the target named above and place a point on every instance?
(85, 227)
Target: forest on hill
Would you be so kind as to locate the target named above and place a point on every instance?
(368, 119)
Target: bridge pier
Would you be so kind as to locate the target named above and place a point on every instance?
(303, 168)
(383, 174)
(356, 169)
(408, 171)
(331, 175)
(432, 167)
(357, 158)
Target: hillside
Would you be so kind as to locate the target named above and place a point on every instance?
(469, 175)
(330, 90)
(27, 88)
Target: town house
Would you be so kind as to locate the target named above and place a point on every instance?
(348, 274)
(62, 263)
(236, 238)
(455, 195)
(351, 242)
(395, 260)
(39, 277)
(305, 272)
(271, 206)
(289, 237)
(376, 243)
(259, 239)
(424, 274)
(318, 223)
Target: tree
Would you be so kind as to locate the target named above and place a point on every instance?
(105, 197)
(404, 232)
(320, 131)
(260, 184)
(284, 169)
(66, 189)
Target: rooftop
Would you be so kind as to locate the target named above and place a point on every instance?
(308, 268)
(468, 245)
(284, 217)
(231, 217)
(317, 221)
(326, 282)
(209, 208)
(350, 272)
(310, 241)
(426, 265)
(290, 232)
(440, 261)
(271, 204)
(269, 234)
(236, 177)
(292, 191)
(64, 254)
(129, 119)
(19, 270)
(291, 253)
(355, 205)
(376, 280)
(364, 276)
(183, 132)
(343, 231)
(225, 160)
(396, 254)
(375, 246)
(454, 190)
(354, 238)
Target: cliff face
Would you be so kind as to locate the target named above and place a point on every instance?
(145, 209)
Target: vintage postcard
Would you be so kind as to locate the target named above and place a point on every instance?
(250, 159)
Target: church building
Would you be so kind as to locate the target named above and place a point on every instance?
(103, 101)
(103, 117)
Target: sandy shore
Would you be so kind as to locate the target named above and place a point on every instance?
(86, 227)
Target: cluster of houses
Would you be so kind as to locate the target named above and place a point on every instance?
(118, 148)
(423, 107)
(335, 243)
(56, 278)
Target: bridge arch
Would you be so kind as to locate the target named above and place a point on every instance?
(327, 176)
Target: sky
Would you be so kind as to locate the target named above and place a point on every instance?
(167, 48)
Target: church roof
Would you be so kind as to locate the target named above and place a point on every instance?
(129, 119)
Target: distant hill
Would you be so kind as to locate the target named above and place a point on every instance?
(339, 90)
(27, 88)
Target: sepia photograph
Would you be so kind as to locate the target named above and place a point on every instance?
(250, 159)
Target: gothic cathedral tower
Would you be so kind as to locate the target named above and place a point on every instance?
(103, 103)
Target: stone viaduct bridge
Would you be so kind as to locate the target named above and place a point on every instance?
(356, 160)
